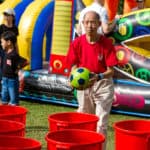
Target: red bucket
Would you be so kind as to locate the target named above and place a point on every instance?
(70, 120)
(132, 135)
(74, 139)
(18, 143)
(8, 127)
(15, 113)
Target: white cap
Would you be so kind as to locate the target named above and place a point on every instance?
(9, 11)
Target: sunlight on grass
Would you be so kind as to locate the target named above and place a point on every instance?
(37, 121)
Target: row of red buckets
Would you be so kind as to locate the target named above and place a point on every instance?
(70, 131)
(12, 129)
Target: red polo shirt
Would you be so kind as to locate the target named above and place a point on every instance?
(96, 57)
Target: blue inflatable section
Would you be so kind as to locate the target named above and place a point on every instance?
(42, 27)
(20, 8)
(48, 42)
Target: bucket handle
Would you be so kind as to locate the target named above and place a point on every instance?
(62, 147)
(60, 125)
(148, 141)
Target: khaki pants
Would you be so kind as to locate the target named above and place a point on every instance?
(98, 100)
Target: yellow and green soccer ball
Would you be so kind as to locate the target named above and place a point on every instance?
(79, 78)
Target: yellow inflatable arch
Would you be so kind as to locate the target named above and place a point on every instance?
(26, 27)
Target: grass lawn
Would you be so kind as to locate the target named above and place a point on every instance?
(37, 121)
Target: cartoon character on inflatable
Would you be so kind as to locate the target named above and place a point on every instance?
(132, 78)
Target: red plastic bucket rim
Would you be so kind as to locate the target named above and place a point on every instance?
(116, 126)
(9, 138)
(23, 110)
(73, 130)
(20, 126)
(52, 117)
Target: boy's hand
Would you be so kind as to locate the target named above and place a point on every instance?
(22, 62)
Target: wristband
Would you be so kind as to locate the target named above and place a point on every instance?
(100, 76)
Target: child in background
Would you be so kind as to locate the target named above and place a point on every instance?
(12, 62)
(8, 25)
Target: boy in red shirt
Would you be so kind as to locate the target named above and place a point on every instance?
(95, 52)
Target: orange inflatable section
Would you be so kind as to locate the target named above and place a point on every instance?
(112, 8)
(129, 5)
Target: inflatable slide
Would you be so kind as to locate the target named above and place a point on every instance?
(34, 25)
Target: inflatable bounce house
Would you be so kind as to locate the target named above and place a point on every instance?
(46, 28)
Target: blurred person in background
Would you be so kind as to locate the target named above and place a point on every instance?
(98, 7)
(140, 5)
